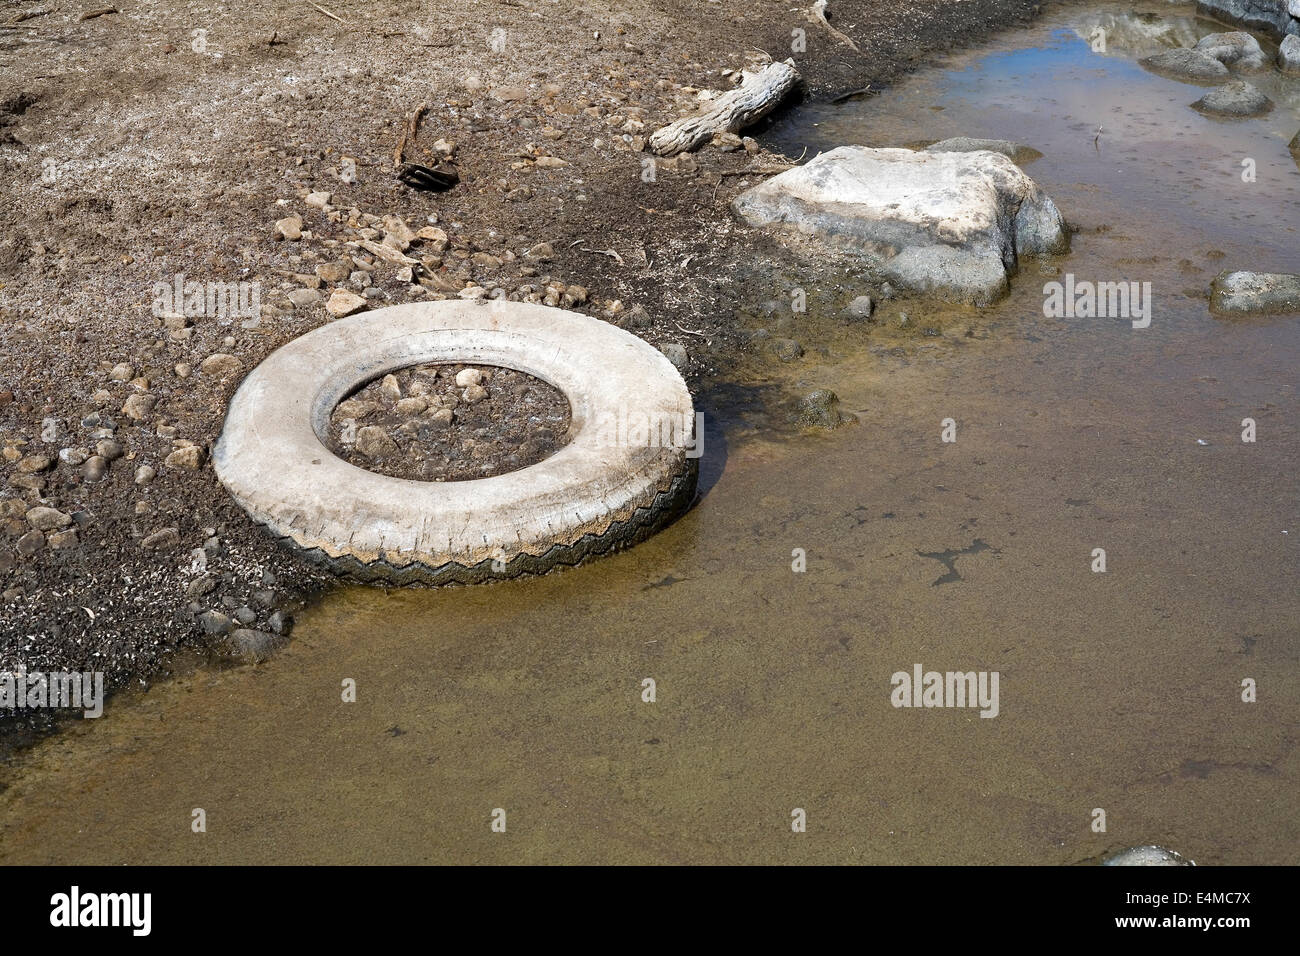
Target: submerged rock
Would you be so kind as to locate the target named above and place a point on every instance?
(953, 224)
(821, 409)
(1251, 293)
(1146, 856)
(252, 646)
(1190, 66)
(1018, 153)
(1237, 99)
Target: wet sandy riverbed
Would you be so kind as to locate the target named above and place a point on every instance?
(1118, 690)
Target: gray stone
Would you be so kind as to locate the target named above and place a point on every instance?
(280, 623)
(1191, 66)
(1237, 49)
(304, 297)
(94, 468)
(675, 353)
(30, 543)
(373, 442)
(949, 223)
(1267, 16)
(860, 308)
(1288, 56)
(109, 448)
(1018, 153)
(162, 539)
(47, 519)
(1251, 293)
(1237, 99)
(213, 622)
(203, 584)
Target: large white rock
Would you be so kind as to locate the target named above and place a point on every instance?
(952, 224)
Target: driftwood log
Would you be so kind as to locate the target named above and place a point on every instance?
(730, 112)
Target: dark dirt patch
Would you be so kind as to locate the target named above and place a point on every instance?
(438, 423)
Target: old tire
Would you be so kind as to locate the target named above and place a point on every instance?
(604, 490)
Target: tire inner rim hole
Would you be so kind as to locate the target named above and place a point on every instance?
(448, 421)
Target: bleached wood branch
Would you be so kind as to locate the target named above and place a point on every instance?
(730, 112)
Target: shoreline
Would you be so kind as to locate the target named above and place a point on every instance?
(170, 160)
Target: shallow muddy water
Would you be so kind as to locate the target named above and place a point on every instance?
(1118, 690)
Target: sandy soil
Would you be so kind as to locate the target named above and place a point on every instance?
(168, 139)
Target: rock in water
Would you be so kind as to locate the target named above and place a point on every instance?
(1018, 153)
(1190, 66)
(1235, 99)
(1250, 293)
(1238, 50)
(1146, 856)
(948, 223)
(821, 409)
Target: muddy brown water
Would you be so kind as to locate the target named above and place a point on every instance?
(1118, 690)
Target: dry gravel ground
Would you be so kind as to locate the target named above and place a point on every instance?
(450, 423)
(169, 139)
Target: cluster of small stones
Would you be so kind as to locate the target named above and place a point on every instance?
(51, 471)
(383, 260)
(450, 423)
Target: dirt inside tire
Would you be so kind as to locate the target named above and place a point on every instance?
(449, 422)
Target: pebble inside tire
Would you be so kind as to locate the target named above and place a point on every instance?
(605, 489)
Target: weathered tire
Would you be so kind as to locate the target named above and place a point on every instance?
(599, 492)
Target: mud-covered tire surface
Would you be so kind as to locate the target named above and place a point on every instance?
(610, 487)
